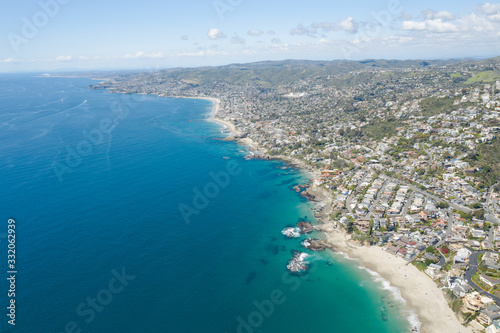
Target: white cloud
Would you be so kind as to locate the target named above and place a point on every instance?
(436, 25)
(439, 26)
(279, 48)
(397, 40)
(323, 26)
(348, 25)
(202, 53)
(155, 55)
(255, 32)
(412, 25)
(485, 18)
(475, 22)
(248, 52)
(63, 58)
(9, 61)
(184, 37)
(143, 55)
(271, 32)
(313, 30)
(325, 41)
(238, 40)
(83, 58)
(431, 14)
(490, 8)
(215, 34)
(301, 30)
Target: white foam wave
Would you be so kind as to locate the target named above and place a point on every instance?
(395, 292)
(303, 256)
(291, 232)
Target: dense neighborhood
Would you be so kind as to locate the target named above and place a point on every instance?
(410, 154)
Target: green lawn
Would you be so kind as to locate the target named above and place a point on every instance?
(486, 76)
(488, 156)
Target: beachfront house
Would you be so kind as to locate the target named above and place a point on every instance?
(433, 270)
(494, 328)
(474, 302)
(488, 315)
(460, 290)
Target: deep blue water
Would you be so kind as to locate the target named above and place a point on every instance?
(95, 182)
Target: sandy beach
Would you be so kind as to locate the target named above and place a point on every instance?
(252, 145)
(419, 291)
(215, 112)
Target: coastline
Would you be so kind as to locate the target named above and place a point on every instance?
(251, 144)
(431, 312)
(419, 291)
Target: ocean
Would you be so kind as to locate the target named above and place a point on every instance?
(131, 217)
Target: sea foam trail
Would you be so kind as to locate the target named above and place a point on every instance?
(395, 292)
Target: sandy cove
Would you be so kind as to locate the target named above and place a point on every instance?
(419, 291)
(244, 141)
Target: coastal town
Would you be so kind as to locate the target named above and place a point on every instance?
(408, 155)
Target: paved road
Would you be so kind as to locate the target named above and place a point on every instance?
(470, 272)
(450, 223)
(437, 199)
(490, 237)
(490, 214)
(373, 206)
(442, 259)
(430, 158)
(408, 203)
(351, 196)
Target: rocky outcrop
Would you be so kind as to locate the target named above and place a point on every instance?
(305, 227)
(229, 138)
(291, 232)
(298, 263)
(316, 245)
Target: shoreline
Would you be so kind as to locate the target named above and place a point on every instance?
(419, 292)
(428, 309)
(433, 312)
(251, 144)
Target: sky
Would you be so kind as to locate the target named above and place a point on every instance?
(56, 35)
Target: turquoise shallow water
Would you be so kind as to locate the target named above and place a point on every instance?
(95, 182)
